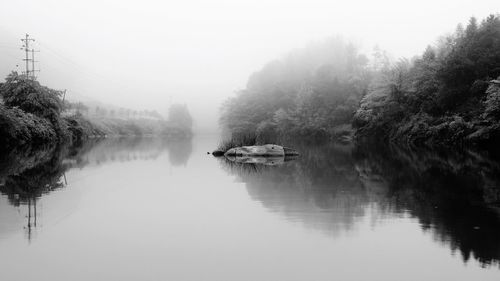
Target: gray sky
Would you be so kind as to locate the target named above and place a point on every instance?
(144, 54)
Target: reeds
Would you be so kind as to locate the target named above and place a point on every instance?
(237, 141)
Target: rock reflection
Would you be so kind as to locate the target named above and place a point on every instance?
(323, 192)
(454, 195)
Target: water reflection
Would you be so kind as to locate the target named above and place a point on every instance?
(288, 211)
(179, 152)
(28, 173)
(321, 188)
(454, 195)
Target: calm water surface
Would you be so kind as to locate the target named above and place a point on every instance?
(155, 210)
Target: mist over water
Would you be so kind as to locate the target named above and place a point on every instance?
(149, 54)
(144, 209)
(249, 140)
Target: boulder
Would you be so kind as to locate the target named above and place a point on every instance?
(266, 150)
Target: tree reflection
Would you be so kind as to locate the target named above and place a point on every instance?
(454, 195)
(322, 192)
(28, 173)
(179, 151)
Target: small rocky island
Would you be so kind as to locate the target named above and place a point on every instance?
(267, 154)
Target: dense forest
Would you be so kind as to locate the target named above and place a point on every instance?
(448, 95)
(32, 114)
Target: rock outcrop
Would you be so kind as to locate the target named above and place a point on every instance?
(266, 150)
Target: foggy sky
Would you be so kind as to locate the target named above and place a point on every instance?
(146, 54)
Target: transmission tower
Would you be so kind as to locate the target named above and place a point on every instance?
(30, 73)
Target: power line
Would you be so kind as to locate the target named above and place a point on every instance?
(84, 72)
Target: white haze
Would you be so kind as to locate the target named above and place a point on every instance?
(147, 54)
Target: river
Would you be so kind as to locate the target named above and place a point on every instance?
(151, 209)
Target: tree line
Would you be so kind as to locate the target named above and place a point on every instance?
(104, 111)
(449, 94)
(32, 114)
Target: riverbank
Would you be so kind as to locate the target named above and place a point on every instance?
(83, 128)
(32, 114)
(474, 122)
(448, 95)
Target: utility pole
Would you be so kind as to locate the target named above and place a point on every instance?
(33, 70)
(27, 50)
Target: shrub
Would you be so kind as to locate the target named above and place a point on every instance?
(492, 102)
(30, 96)
(18, 127)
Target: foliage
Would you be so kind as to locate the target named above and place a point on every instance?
(492, 102)
(381, 106)
(18, 127)
(179, 123)
(237, 141)
(475, 55)
(309, 93)
(446, 96)
(178, 115)
(30, 96)
(81, 128)
(31, 113)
